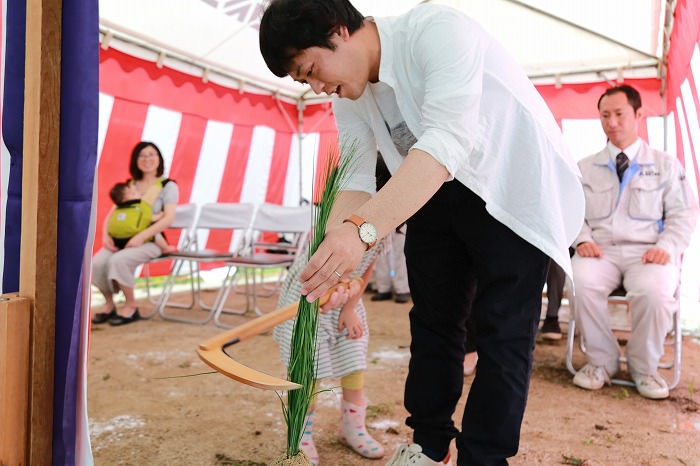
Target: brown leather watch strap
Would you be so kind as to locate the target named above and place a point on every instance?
(356, 219)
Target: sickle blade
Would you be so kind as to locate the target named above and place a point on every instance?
(219, 361)
(212, 352)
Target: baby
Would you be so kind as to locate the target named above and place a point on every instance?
(132, 215)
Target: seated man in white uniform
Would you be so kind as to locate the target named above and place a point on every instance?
(640, 215)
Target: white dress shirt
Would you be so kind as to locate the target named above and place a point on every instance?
(473, 109)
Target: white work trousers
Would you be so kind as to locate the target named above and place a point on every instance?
(650, 289)
(395, 260)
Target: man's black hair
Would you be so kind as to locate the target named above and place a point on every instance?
(289, 26)
(633, 97)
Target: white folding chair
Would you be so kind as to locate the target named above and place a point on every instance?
(269, 218)
(230, 217)
(185, 216)
(290, 225)
(674, 339)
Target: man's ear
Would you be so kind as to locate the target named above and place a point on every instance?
(343, 32)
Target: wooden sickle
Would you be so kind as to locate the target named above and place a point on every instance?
(212, 352)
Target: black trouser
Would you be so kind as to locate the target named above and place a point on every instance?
(452, 244)
(556, 279)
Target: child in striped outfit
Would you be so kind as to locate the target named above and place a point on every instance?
(341, 347)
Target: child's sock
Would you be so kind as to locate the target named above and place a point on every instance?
(307, 442)
(354, 433)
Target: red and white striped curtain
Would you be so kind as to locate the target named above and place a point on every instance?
(219, 144)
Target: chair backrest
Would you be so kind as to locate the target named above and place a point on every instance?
(235, 217)
(225, 216)
(273, 218)
(282, 219)
(185, 215)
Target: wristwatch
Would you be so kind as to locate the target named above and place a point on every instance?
(367, 231)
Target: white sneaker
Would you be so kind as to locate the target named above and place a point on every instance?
(650, 385)
(410, 455)
(591, 377)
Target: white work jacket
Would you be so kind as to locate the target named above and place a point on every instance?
(473, 109)
(653, 204)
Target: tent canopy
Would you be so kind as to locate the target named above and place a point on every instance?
(555, 41)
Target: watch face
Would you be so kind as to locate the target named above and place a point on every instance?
(368, 233)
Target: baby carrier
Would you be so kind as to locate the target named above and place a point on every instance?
(132, 217)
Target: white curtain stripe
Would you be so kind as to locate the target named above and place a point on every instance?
(292, 189)
(106, 103)
(162, 127)
(259, 164)
(310, 147)
(210, 167)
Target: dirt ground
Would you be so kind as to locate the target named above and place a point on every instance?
(140, 415)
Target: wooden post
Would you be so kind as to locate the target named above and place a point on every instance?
(15, 315)
(27, 322)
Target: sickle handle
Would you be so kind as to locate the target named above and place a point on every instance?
(211, 351)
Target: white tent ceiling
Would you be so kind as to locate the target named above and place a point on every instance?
(554, 40)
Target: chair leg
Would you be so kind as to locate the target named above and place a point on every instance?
(678, 346)
(570, 336)
(166, 294)
(222, 296)
(167, 289)
(156, 301)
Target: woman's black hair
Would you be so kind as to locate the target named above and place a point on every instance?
(134, 169)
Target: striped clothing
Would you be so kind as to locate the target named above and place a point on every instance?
(337, 355)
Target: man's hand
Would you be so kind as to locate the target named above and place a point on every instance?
(656, 255)
(589, 249)
(340, 251)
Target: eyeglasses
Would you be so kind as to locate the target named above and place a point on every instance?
(145, 155)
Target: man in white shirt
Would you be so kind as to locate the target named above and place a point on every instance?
(482, 176)
(640, 215)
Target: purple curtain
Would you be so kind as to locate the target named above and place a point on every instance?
(78, 156)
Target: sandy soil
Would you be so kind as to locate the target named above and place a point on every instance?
(144, 413)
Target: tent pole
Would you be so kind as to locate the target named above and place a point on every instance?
(668, 29)
(663, 63)
(300, 135)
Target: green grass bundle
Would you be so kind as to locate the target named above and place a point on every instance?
(302, 362)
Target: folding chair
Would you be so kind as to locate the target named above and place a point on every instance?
(230, 217)
(289, 225)
(269, 218)
(618, 297)
(185, 215)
